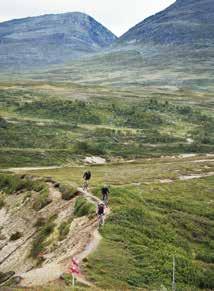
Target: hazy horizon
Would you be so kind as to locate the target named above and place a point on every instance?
(118, 16)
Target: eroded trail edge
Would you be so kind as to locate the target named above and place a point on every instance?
(86, 240)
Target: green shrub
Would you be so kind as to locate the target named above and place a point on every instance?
(64, 229)
(41, 200)
(39, 242)
(206, 257)
(13, 183)
(68, 192)
(84, 208)
(38, 186)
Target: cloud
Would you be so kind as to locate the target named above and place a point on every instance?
(117, 15)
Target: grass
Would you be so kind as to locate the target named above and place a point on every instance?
(38, 131)
(68, 192)
(84, 208)
(139, 171)
(40, 242)
(147, 228)
(150, 222)
(11, 184)
(44, 123)
(64, 229)
(42, 199)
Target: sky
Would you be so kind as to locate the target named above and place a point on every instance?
(116, 15)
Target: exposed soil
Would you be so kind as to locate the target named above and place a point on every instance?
(82, 240)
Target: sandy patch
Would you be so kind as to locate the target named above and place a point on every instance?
(95, 160)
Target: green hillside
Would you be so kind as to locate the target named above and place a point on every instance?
(155, 215)
(53, 124)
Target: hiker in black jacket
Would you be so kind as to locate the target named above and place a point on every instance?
(105, 194)
(86, 177)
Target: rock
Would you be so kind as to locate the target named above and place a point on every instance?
(17, 279)
(95, 160)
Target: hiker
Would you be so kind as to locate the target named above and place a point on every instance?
(101, 213)
(86, 177)
(105, 194)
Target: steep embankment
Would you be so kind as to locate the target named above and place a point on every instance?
(39, 236)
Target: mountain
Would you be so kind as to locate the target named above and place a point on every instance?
(50, 39)
(188, 22)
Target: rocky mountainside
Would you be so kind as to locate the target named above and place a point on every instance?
(50, 39)
(188, 22)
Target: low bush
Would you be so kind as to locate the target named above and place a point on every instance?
(84, 208)
(64, 229)
(13, 183)
(206, 257)
(68, 192)
(42, 200)
(39, 243)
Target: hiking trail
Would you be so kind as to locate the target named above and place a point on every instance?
(87, 239)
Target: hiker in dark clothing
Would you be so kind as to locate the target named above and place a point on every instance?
(101, 213)
(105, 194)
(86, 177)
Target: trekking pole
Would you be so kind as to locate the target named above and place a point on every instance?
(173, 275)
(73, 280)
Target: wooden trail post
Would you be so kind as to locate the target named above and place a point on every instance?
(173, 275)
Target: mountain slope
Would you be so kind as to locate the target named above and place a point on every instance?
(184, 22)
(50, 39)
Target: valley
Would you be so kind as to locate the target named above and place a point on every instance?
(138, 112)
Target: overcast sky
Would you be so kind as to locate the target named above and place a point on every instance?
(117, 15)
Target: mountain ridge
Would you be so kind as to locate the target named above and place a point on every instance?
(183, 22)
(51, 39)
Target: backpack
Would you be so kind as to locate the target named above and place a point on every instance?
(101, 208)
(87, 175)
(105, 190)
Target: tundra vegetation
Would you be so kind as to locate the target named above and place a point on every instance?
(38, 128)
(150, 222)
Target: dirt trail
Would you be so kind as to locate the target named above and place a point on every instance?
(86, 241)
(187, 177)
(21, 169)
(195, 176)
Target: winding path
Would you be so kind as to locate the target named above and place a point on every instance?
(53, 271)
